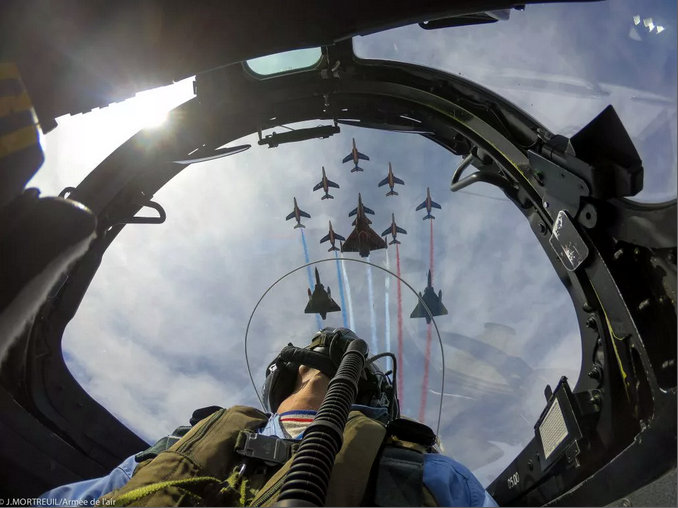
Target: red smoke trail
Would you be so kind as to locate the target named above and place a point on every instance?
(427, 360)
(424, 385)
(401, 393)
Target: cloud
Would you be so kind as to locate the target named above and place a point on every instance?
(161, 329)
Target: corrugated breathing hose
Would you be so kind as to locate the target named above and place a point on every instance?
(309, 476)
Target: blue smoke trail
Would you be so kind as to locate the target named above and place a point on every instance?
(311, 285)
(351, 321)
(341, 291)
(387, 314)
(373, 318)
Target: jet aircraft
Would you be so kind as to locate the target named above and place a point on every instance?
(428, 203)
(297, 213)
(391, 180)
(355, 155)
(325, 184)
(432, 300)
(332, 237)
(393, 229)
(363, 238)
(320, 301)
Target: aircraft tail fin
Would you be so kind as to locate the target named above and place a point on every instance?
(392, 193)
(428, 216)
(299, 225)
(397, 242)
(357, 168)
(327, 196)
(333, 248)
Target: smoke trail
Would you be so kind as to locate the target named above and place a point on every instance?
(311, 285)
(430, 253)
(387, 314)
(401, 392)
(373, 318)
(424, 384)
(341, 291)
(351, 321)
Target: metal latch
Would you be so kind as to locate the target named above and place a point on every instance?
(271, 450)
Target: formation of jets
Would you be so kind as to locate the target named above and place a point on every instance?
(363, 239)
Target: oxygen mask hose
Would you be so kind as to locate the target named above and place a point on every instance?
(307, 480)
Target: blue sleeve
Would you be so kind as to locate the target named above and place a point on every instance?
(452, 484)
(88, 491)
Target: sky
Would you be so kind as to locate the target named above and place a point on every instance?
(161, 329)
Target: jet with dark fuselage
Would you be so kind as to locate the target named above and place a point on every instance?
(297, 213)
(394, 229)
(320, 301)
(391, 180)
(355, 155)
(325, 184)
(433, 301)
(363, 238)
(428, 203)
(332, 237)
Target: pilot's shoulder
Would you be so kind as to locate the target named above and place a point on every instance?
(452, 483)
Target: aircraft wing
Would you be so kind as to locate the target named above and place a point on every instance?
(398, 180)
(304, 214)
(348, 157)
(435, 205)
(363, 156)
(291, 215)
(351, 244)
(353, 212)
(383, 182)
(339, 237)
(386, 231)
(422, 205)
(400, 230)
(330, 183)
(318, 186)
(368, 210)
(326, 238)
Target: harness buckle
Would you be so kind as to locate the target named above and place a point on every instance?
(271, 450)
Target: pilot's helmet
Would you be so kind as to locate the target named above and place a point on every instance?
(324, 353)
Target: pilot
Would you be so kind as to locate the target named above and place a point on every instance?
(240, 456)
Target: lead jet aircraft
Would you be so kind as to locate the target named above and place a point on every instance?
(433, 301)
(297, 213)
(332, 237)
(320, 301)
(393, 229)
(391, 180)
(363, 238)
(325, 184)
(428, 203)
(355, 155)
